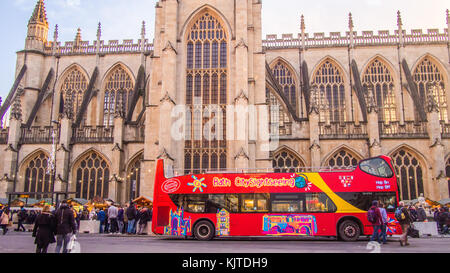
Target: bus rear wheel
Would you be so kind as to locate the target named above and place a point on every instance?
(349, 231)
(204, 231)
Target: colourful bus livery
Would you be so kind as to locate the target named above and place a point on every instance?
(324, 203)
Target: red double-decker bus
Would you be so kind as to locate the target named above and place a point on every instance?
(324, 203)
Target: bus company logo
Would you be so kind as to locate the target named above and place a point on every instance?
(346, 180)
(170, 186)
(302, 182)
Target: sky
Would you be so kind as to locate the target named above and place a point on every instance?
(122, 19)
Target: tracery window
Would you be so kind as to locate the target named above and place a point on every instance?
(286, 162)
(286, 80)
(410, 174)
(378, 77)
(329, 80)
(92, 177)
(134, 178)
(206, 95)
(427, 72)
(74, 84)
(342, 160)
(280, 124)
(36, 177)
(118, 89)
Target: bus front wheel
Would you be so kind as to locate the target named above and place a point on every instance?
(204, 231)
(349, 231)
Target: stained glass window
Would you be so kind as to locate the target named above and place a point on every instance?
(92, 177)
(286, 162)
(118, 84)
(410, 174)
(206, 95)
(36, 177)
(378, 77)
(342, 160)
(74, 84)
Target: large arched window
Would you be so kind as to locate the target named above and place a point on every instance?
(342, 159)
(427, 72)
(286, 80)
(329, 80)
(92, 176)
(37, 179)
(75, 84)
(378, 77)
(206, 95)
(410, 174)
(286, 162)
(134, 178)
(118, 89)
(447, 171)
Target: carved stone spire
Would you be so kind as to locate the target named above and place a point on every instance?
(350, 22)
(399, 20)
(68, 105)
(16, 111)
(77, 42)
(119, 111)
(448, 17)
(55, 39)
(432, 105)
(302, 23)
(37, 28)
(99, 31)
(143, 30)
(314, 101)
(371, 102)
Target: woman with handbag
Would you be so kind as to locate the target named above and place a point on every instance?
(44, 230)
(4, 220)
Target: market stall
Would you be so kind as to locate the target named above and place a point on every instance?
(143, 201)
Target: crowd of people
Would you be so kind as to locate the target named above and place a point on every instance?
(59, 225)
(377, 215)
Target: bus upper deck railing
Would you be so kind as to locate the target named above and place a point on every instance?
(170, 173)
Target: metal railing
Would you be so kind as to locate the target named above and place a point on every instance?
(89, 134)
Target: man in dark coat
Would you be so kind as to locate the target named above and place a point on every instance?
(44, 230)
(404, 223)
(131, 215)
(22, 216)
(65, 226)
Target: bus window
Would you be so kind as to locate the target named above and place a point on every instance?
(195, 203)
(319, 202)
(377, 167)
(222, 201)
(287, 203)
(363, 200)
(258, 202)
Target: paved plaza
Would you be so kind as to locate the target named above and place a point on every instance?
(18, 242)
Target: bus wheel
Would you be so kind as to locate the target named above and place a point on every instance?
(204, 231)
(349, 231)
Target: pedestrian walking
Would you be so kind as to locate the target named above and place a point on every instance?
(131, 215)
(112, 215)
(384, 219)
(144, 218)
(101, 217)
(21, 218)
(404, 218)
(44, 230)
(375, 218)
(442, 221)
(125, 219)
(413, 213)
(5, 220)
(120, 217)
(65, 226)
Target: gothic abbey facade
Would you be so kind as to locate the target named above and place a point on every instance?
(93, 118)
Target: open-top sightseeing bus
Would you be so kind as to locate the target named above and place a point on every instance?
(324, 203)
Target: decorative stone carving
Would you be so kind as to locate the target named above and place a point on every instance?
(241, 154)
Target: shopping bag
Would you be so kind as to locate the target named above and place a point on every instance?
(71, 245)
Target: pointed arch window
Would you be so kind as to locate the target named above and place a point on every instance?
(378, 77)
(329, 80)
(92, 177)
(206, 95)
(342, 160)
(409, 173)
(74, 85)
(427, 72)
(287, 82)
(118, 92)
(134, 178)
(447, 171)
(36, 177)
(286, 162)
